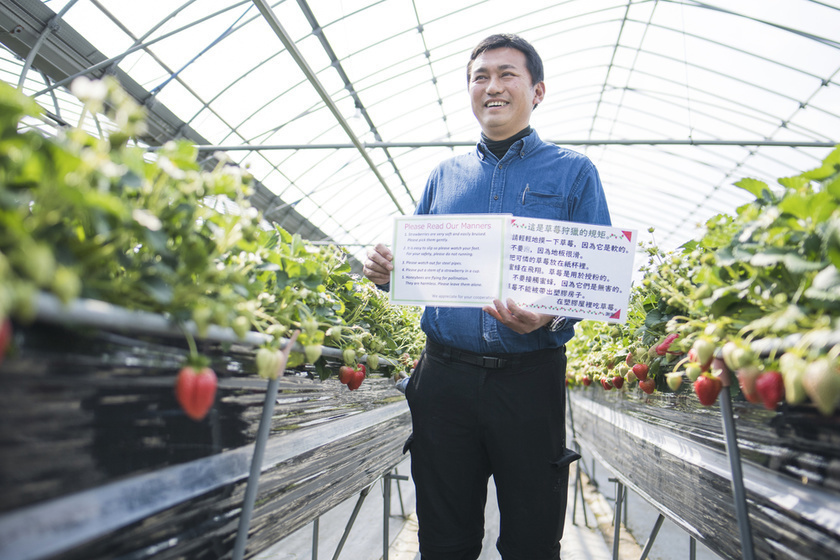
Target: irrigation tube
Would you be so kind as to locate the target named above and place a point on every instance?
(106, 316)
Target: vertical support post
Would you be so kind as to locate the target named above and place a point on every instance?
(617, 519)
(315, 527)
(386, 514)
(652, 537)
(741, 513)
(692, 549)
(256, 468)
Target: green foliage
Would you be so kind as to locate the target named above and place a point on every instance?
(768, 272)
(99, 219)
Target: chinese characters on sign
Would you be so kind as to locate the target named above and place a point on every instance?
(574, 270)
(552, 267)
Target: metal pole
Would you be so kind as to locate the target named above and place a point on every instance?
(386, 515)
(741, 513)
(617, 519)
(692, 548)
(652, 537)
(275, 25)
(386, 511)
(350, 522)
(315, 526)
(256, 467)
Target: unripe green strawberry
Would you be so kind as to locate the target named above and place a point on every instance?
(241, 326)
(349, 356)
(693, 371)
(793, 372)
(373, 361)
(674, 380)
(39, 264)
(66, 284)
(737, 355)
(704, 349)
(313, 352)
(268, 362)
(201, 316)
(822, 383)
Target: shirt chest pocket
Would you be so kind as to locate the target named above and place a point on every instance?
(539, 204)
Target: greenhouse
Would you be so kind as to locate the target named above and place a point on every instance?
(234, 235)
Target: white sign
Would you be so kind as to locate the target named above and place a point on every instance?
(557, 268)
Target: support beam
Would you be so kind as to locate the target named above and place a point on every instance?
(287, 41)
(466, 143)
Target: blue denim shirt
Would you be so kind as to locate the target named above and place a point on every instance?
(534, 179)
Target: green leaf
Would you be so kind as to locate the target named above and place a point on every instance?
(830, 166)
(158, 290)
(770, 257)
(796, 205)
(799, 265)
(753, 186)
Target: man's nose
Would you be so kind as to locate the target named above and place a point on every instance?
(494, 85)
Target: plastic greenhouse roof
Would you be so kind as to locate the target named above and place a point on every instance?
(341, 109)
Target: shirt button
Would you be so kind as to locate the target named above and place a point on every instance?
(500, 166)
(496, 197)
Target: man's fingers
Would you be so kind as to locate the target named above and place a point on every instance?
(378, 266)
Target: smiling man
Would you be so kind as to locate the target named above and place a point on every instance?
(487, 397)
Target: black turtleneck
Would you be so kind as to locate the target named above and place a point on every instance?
(500, 147)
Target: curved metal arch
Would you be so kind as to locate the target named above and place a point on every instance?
(805, 34)
(117, 58)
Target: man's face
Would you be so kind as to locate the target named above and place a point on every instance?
(501, 92)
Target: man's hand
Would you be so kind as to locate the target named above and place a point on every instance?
(515, 318)
(378, 265)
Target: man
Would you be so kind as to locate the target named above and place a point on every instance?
(488, 395)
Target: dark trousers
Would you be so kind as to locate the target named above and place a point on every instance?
(471, 422)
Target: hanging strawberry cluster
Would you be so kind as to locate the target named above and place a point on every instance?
(757, 296)
(98, 218)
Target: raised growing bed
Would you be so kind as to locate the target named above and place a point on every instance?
(671, 451)
(97, 460)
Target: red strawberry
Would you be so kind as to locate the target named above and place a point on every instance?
(747, 377)
(770, 386)
(630, 360)
(606, 384)
(586, 380)
(5, 337)
(196, 390)
(662, 348)
(345, 374)
(641, 371)
(356, 381)
(647, 385)
(707, 388)
(617, 381)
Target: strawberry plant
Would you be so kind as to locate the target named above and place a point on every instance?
(104, 219)
(760, 288)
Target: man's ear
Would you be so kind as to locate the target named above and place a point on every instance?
(539, 94)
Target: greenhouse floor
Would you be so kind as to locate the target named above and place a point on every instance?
(585, 539)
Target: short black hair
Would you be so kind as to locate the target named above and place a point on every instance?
(508, 40)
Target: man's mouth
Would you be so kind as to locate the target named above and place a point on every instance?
(495, 103)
